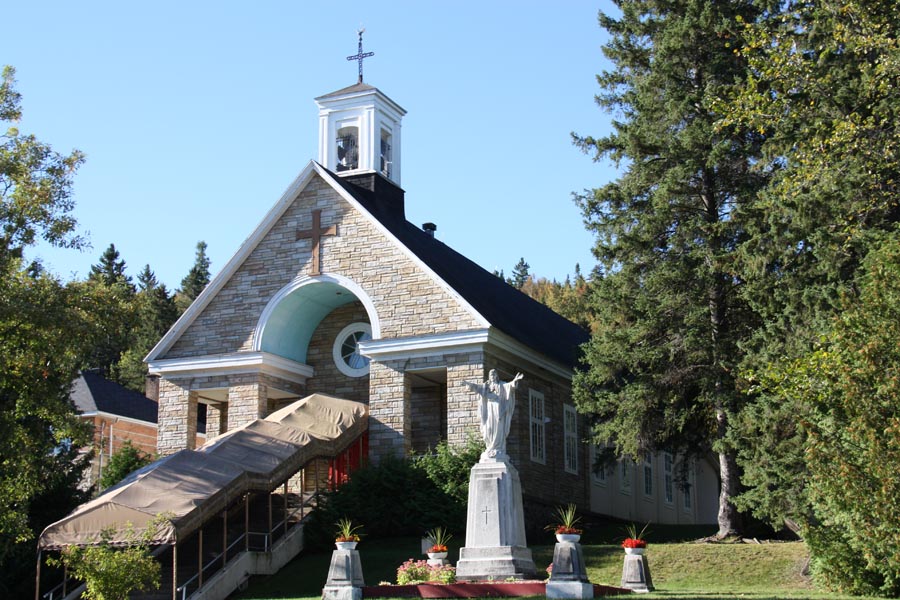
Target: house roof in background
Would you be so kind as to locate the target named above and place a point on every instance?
(92, 392)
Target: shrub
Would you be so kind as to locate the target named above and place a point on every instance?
(400, 496)
(124, 461)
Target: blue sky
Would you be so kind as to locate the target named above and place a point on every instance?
(195, 117)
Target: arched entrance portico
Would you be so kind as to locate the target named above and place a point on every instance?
(287, 324)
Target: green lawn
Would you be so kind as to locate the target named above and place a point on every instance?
(680, 570)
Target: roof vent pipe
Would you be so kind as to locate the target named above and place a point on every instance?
(429, 228)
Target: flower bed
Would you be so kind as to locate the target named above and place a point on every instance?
(475, 589)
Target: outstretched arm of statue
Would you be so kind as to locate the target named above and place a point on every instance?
(475, 387)
(516, 379)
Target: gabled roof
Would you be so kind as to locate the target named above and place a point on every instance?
(487, 297)
(503, 306)
(93, 393)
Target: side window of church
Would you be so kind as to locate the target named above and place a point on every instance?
(648, 475)
(687, 501)
(598, 476)
(625, 476)
(668, 481)
(570, 425)
(538, 448)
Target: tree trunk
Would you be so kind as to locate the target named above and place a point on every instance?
(730, 522)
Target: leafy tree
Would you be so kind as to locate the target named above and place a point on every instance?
(43, 337)
(661, 363)
(35, 184)
(847, 396)
(822, 90)
(111, 572)
(196, 280)
(521, 273)
(124, 461)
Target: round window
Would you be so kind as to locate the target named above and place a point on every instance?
(346, 349)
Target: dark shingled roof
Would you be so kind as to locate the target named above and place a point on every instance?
(506, 308)
(92, 392)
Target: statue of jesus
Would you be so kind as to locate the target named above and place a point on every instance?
(498, 400)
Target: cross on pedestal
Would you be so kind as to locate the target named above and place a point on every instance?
(487, 510)
(315, 234)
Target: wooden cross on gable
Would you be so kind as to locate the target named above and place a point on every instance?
(315, 234)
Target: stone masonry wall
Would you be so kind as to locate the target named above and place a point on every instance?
(389, 410)
(328, 379)
(246, 403)
(544, 483)
(408, 301)
(428, 410)
(177, 417)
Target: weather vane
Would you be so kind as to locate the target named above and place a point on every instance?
(361, 55)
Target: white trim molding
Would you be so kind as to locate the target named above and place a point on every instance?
(457, 342)
(304, 280)
(236, 363)
(425, 345)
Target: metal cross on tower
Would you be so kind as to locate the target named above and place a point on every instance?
(361, 55)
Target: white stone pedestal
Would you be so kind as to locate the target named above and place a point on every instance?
(345, 578)
(569, 576)
(636, 574)
(495, 525)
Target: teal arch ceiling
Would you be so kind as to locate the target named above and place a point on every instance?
(292, 323)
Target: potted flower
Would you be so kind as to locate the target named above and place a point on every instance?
(565, 525)
(439, 537)
(347, 534)
(635, 542)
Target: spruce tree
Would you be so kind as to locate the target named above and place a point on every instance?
(111, 270)
(155, 313)
(196, 280)
(521, 273)
(661, 363)
(822, 89)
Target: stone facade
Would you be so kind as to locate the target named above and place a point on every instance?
(408, 300)
(414, 401)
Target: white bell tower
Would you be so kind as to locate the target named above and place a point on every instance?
(359, 129)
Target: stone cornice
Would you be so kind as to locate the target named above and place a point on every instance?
(235, 363)
(457, 342)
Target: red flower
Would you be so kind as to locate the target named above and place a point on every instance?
(568, 530)
(437, 548)
(633, 543)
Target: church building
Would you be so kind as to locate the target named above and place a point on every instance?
(335, 292)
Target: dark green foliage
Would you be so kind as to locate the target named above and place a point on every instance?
(155, 312)
(111, 270)
(196, 280)
(822, 89)
(521, 273)
(58, 495)
(124, 460)
(669, 317)
(114, 311)
(391, 498)
(399, 497)
(449, 467)
(848, 389)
